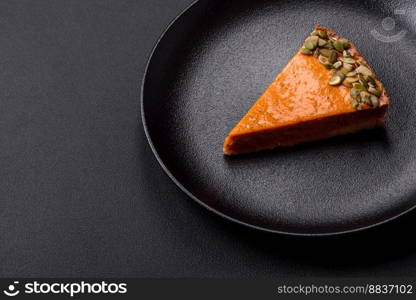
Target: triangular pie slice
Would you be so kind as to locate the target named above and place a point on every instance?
(327, 89)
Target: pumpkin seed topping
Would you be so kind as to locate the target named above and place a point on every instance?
(359, 86)
(348, 60)
(345, 42)
(375, 101)
(374, 91)
(325, 61)
(354, 103)
(321, 42)
(326, 52)
(337, 65)
(371, 80)
(364, 70)
(336, 79)
(333, 57)
(329, 45)
(339, 46)
(346, 53)
(322, 34)
(363, 81)
(355, 93)
(306, 51)
(348, 82)
(311, 42)
(346, 69)
(365, 97)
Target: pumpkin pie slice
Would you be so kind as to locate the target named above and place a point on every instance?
(327, 89)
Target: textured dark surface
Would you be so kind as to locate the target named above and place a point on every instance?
(81, 192)
(228, 54)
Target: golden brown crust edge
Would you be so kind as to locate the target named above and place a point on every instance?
(307, 131)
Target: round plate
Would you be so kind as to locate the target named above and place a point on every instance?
(217, 58)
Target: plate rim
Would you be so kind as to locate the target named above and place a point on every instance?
(203, 204)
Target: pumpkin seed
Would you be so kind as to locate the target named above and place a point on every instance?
(311, 42)
(359, 86)
(349, 60)
(329, 45)
(362, 79)
(321, 42)
(344, 71)
(351, 79)
(374, 91)
(345, 42)
(351, 74)
(370, 79)
(337, 79)
(326, 52)
(323, 60)
(365, 97)
(348, 82)
(322, 34)
(305, 51)
(346, 53)
(355, 93)
(333, 57)
(328, 65)
(364, 70)
(342, 44)
(337, 65)
(354, 103)
(348, 67)
(339, 46)
(375, 102)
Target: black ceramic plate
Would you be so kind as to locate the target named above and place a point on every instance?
(216, 59)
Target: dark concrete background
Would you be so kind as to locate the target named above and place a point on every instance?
(81, 193)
